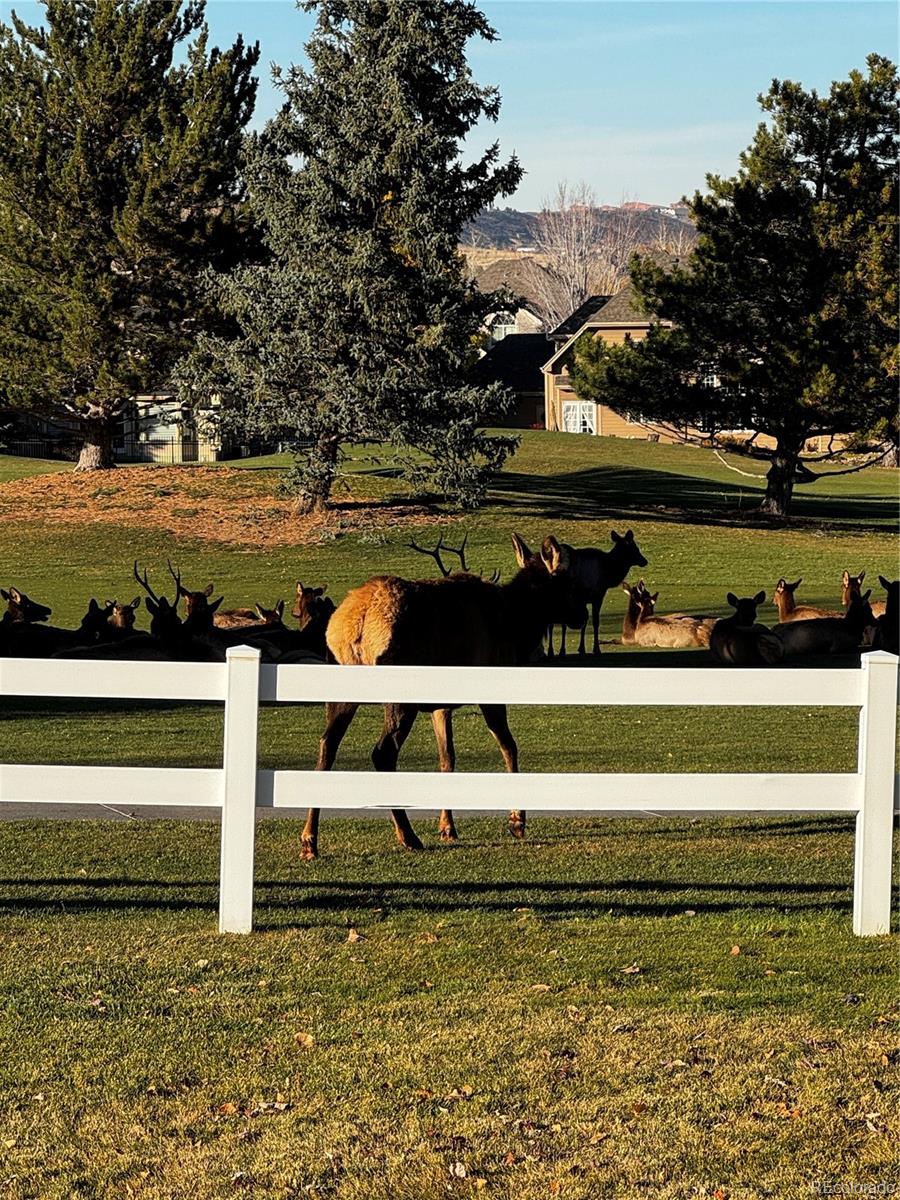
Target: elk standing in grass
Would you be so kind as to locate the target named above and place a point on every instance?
(678, 631)
(458, 620)
(828, 635)
(738, 640)
(596, 571)
(789, 610)
(851, 585)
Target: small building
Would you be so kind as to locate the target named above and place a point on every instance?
(516, 362)
(520, 278)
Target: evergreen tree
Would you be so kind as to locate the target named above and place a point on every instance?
(118, 186)
(790, 298)
(362, 323)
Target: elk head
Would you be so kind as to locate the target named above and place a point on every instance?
(851, 585)
(629, 548)
(21, 609)
(95, 621)
(198, 612)
(548, 569)
(122, 616)
(164, 619)
(745, 609)
(310, 604)
(270, 616)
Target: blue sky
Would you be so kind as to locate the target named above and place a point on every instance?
(640, 99)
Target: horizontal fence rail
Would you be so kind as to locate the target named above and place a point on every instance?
(239, 787)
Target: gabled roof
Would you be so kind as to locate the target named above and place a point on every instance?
(514, 361)
(584, 312)
(518, 275)
(621, 309)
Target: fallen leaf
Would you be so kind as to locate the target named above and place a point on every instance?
(429, 938)
(634, 969)
(638, 1108)
(690, 912)
(355, 936)
(597, 1138)
(426, 983)
(457, 1170)
(228, 1109)
(539, 987)
(509, 1158)
(735, 949)
(202, 962)
(306, 1040)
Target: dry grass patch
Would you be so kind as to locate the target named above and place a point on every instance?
(223, 505)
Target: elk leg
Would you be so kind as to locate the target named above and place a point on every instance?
(398, 721)
(337, 721)
(495, 719)
(549, 641)
(442, 722)
(582, 649)
(595, 618)
(562, 641)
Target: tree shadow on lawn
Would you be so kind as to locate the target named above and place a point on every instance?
(623, 493)
(621, 897)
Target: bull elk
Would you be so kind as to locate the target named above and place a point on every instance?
(828, 635)
(677, 631)
(738, 640)
(851, 585)
(455, 621)
(596, 571)
(790, 610)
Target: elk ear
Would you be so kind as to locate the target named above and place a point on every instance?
(523, 554)
(260, 611)
(780, 586)
(136, 602)
(759, 597)
(861, 576)
(867, 595)
(215, 604)
(881, 579)
(626, 589)
(551, 554)
(208, 590)
(732, 599)
(629, 536)
(323, 589)
(279, 608)
(5, 594)
(794, 586)
(299, 588)
(152, 608)
(15, 595)
(655, 597)
(615, 536)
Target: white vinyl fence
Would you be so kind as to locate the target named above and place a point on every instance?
(239, 787)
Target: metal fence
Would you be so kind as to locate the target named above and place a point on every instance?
(239, 787)
(165, 451)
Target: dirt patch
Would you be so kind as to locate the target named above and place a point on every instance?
(213, 504)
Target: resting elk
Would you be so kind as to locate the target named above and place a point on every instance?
(887, 634)
(257, 617)
(458, 620)
(828, 635)
(678, 631)
(30, 638)
(21, 609)
(851, 585)
(596, 571)
(738, 641)
(789, 610)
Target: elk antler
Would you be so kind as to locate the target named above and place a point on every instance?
(176, 575)
(145, 583)
(436, 553)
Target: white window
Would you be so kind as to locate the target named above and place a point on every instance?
(578, 417)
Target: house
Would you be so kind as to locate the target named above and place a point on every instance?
(615, 319)
(516, 362)
(519, 277)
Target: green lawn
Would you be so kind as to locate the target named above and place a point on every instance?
(565, 1017)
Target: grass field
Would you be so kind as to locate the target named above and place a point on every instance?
(663, 1008)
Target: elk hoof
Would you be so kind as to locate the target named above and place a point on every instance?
(308, 850)
(517, 828)
(410, 842)
(449, 834)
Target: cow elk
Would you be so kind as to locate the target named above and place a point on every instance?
(457, 620)
(738, 641)
(20, 609)
(27, 639)
(121, 620)
(596, 571)
(789, 610)
(887, 633)
(678, 631)
(257, 617)
(828, 635)
(851, 585)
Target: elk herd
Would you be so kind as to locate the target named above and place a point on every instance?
(458, 619)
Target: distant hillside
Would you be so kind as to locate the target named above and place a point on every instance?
(509, 229)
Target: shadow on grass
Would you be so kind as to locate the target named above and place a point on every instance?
(621, 493)
(616, 896)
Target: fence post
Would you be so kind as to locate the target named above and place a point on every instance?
(239, 790)
(875, 819)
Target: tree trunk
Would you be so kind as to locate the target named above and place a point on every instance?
(96, 451)
(780, 478)
(319, 475)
